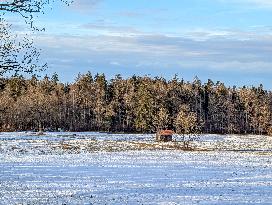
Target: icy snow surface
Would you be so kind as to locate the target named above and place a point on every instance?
(35, 170)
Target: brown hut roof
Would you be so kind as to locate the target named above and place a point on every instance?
(166, 132)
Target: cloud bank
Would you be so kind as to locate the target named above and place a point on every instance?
(211, 54)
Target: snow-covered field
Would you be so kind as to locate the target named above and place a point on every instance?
(69, 168)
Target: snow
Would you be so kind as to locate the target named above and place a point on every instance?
(37, 170)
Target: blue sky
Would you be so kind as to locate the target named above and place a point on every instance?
(226, 40)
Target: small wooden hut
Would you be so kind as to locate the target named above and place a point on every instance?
(164, 136)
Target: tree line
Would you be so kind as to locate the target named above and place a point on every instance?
(135, 104)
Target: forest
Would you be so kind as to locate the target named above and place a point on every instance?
(131, 105)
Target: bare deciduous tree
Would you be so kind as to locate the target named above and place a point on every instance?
(17, 53)
(186, 125)
(26, 8)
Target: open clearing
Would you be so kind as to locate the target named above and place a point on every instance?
(96, 168)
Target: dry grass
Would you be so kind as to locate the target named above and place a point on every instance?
(118, 146)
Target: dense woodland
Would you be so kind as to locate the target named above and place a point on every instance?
(136, 104)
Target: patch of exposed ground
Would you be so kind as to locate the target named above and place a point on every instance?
(79, 144)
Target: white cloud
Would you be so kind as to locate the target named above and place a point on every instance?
(162, 51)
(255, 3)
(85, 5)
(260, 2)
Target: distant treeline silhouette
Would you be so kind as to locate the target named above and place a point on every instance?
(135, 104)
